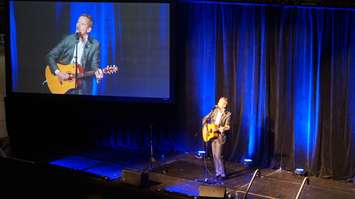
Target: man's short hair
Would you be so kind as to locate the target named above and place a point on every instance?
(91, 23)
(224, 98)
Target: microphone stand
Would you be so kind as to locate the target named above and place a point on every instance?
(77, 36)
(152, 160)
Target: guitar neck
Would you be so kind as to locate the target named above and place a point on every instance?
(86, 74)
(107, 70)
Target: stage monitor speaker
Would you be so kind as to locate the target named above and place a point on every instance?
(135, 178)
(212, 191)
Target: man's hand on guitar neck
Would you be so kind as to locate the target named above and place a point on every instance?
(110, 69)
(99, 75)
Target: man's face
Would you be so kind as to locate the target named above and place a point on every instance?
(222, 103)
(83, 25)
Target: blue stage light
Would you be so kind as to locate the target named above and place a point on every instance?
(247, 161)
(201, 152)
(299, 171)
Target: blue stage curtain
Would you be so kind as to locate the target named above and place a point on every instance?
(287, 72)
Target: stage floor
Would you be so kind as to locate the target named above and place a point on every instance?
(186, 175)
(173, 175)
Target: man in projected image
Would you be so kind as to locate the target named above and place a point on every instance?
(77, 48)
(215, 124)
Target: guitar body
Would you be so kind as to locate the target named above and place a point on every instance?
(209, 131)
(58, 86)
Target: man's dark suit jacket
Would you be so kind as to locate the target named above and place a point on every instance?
(63, 54)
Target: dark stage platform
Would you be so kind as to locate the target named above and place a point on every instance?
(104, 173)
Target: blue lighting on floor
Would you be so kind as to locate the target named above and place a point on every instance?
(186, 188)
(110, 171)
(75, 162)
(107, 170)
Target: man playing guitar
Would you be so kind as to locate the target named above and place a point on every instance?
(215, 124)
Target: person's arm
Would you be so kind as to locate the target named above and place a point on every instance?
(52, 58)
(54, 55)
(226, 126)
(96, 63)
(96, 58)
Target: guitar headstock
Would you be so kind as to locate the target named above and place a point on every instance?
(110, 69)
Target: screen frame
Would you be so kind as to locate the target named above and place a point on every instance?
(96, 98)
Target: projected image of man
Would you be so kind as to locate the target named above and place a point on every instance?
(81, 49)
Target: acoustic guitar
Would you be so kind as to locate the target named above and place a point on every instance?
(58, 86)
(209, 131)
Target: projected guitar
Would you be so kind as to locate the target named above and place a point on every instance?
(209, 131)
(58, 86)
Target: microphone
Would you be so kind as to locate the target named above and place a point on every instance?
(77, 35)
